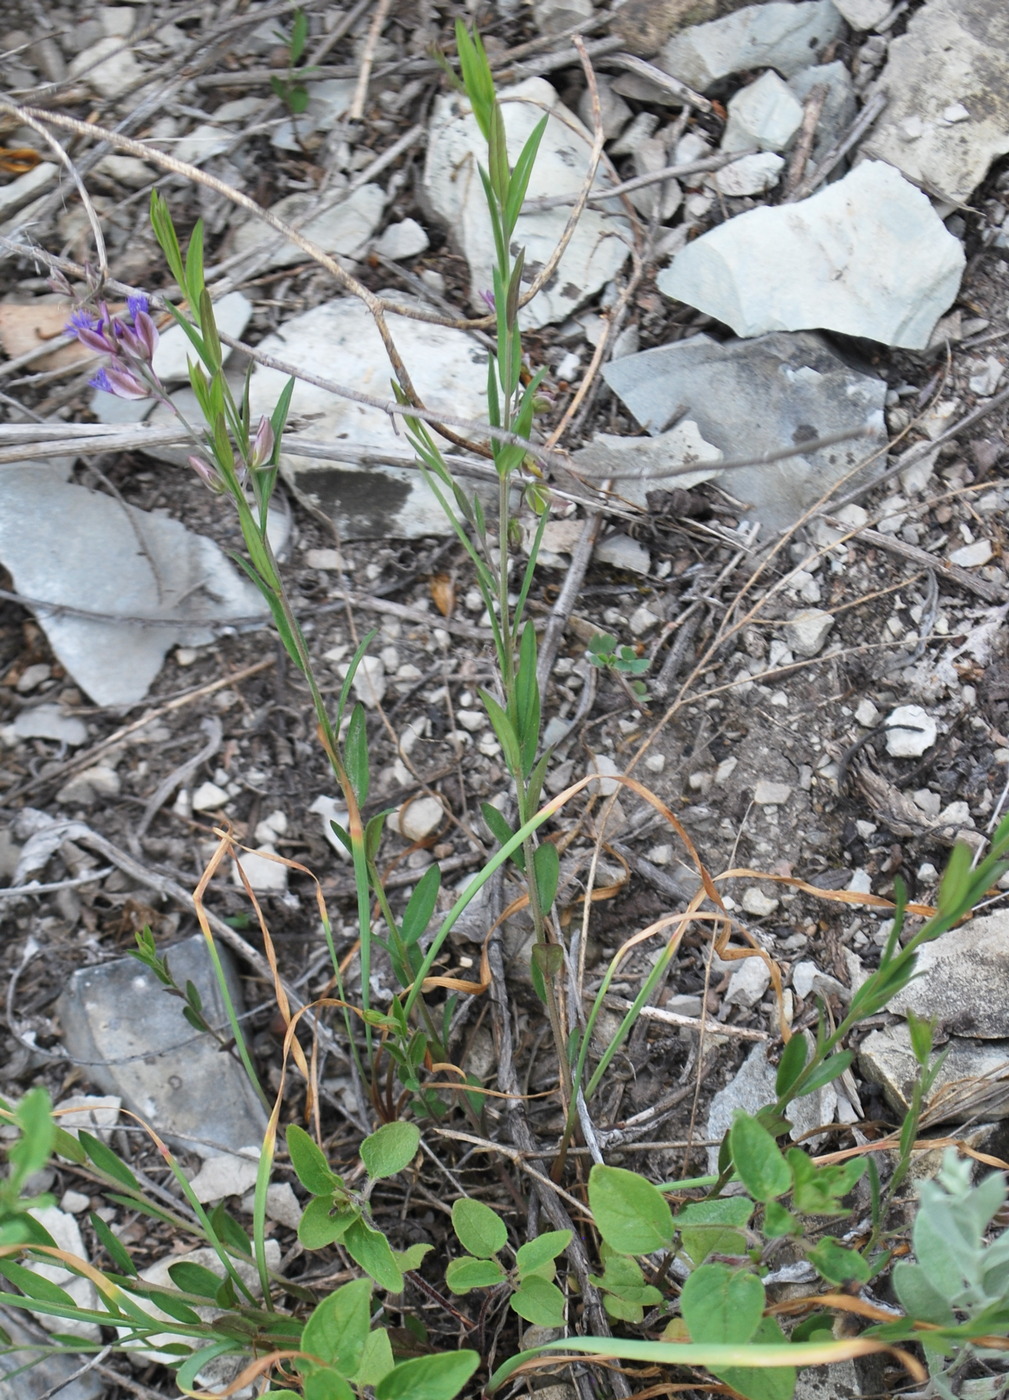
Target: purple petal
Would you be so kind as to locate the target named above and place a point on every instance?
(124, 383)
(101, 381)
(136, 306)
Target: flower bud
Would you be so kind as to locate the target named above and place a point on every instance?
(262, 445)
(208, 474)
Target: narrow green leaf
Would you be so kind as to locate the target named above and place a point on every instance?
(506, 735)
(827, 1072)
(355, 752)
(418, 912)
(631, 1214)
(309, 1162)
(519, 183)
(194, 1278)
(501, 831)
(390, 1149)
(214, 358)
(793, 1062)
(438, 1377)
(761, 1167)
(546, 873)
(299, 36)
(113, 1247)
(106, 1161)
(34, 1285)
(479, 1230)
(194, 283)
(164, 232)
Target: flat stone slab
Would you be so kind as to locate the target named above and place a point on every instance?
(782, 36)
(338, 341)
(752, 397)
(453, 189)
(947, 86)
(972, 1084)
(867, 256)
(69, 546)
(963, 979)
(640, 465)
(131, 1039)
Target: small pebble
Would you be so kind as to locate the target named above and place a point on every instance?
(807, 630)
(756, 902)
(767, 794)
(912, 741)
(369, 681)
(33, 676)
(970, 556)
(420, 818)
(208, 797)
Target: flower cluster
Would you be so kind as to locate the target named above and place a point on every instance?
(129, 340)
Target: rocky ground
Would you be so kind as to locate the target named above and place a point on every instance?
(828, 688)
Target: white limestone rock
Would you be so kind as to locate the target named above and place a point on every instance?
(343, 226)
(947, 85)
(753, 174)
(910, 731)
(867, 256)
(766, 114)
(453, 189)
(778, 35)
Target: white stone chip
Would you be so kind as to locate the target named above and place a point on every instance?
(807, 630)
(402, 240)
(766, 114)
(913, 741)
(369, 681)
(751, 174)
(748, 982)
(420, 818)
(208, 797)
(768, 794)
(225, 1175)
(264, 875)
(970, 556)
(757, 903)
(50, 722)
(603, 764)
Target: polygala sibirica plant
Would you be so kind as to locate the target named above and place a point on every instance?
(680, 1273)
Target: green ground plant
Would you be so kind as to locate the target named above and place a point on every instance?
(685, 1259)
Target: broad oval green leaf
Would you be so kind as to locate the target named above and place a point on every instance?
(480, 1230)
(632, 1215)
(370, 1248)
(438, 1377)
(390, 1149)
(468, 1273)
(539, 1302)
(338, 1328)
(544, 1249)
(722, 1305)
(756, 1156)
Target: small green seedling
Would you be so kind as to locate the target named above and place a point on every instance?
(290, 88)
(621, 661)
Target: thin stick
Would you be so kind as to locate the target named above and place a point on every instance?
(367, 60)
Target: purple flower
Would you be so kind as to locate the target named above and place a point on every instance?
(117, 379)
(208, 474)
(89, 331)
(136, 306)
(488, 297)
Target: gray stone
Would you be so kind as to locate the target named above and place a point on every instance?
(50, 722)
(16, 193)
(640, 465)
(766, 114)
(46, 1377)
(910, 731)
(839, 1381)
(343, 227)
(420, 818)
(864, 14)
(963, 979)
(954, 55)
(338, 340)
(131, 1039)
(66, 545)
(972, 1083)
(621, 552)
(776, 35)
(108, 67)
(768, 794)
(867, 256)
(806, 631)
(752, 1089)
(329, 101)
(839, 106)
(752, 397)
(452, 188)
(748, 983)
(402, 240)
(749, 175)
